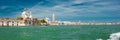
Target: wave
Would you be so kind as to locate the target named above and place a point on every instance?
(113, 36)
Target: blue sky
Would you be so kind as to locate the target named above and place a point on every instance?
(67, 10)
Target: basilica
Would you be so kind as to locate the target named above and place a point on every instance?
(26, 20)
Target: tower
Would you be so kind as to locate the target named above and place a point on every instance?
(53, 19)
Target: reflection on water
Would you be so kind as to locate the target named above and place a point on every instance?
(98, 39)
(26, 34)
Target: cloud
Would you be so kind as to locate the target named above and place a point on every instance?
(73, 9)
(4, 7)
(79, 8)
(86, 8)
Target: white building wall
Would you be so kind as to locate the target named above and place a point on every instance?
(0, 22)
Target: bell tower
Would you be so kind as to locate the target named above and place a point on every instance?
(53, 19)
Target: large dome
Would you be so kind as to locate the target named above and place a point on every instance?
(26, 14)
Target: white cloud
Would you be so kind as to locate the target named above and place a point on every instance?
(61, 10)
(4, 7)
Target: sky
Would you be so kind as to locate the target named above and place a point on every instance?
(64, 10)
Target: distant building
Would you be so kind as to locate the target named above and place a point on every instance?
(11, 22)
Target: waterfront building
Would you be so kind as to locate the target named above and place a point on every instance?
(10, 22)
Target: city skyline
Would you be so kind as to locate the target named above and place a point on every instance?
(66, 10)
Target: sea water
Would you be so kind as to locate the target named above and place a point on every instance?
(71, 32)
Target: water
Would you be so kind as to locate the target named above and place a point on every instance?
(83, 32)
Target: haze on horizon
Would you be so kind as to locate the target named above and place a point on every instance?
(67, 10)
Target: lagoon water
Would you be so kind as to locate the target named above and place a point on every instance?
(81, 32)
